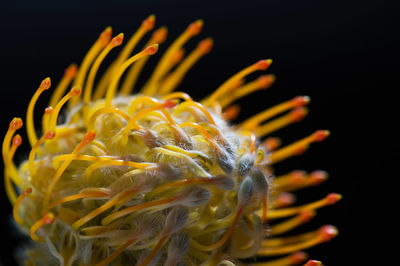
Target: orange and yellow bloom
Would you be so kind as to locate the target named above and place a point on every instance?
(157, 178)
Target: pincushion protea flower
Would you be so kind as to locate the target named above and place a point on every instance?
(156, 178)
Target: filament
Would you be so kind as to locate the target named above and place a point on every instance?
(46, 219)
(162, 67)
(255, 120)
(176, 77)
(89, 137)
(226, 86)
(100, 43)
(17, 203)
(150, 50)
(30, 126)
(115, 42)
(62, 86)
(298, 146)
(159, 37)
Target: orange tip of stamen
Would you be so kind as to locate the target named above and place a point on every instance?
(196, 27)
(46, 83)
(48, 218)
(105, 36)
(298, 114)
(27, 191)
(321, 135)
(231, 112)
(71, 71)
(75, 91)
(17, 140)
(313, 263)
(298, 257)
(48, 110)
(160, 35)
(307, 215)
(117, 40)
(327, 232)
(49, 134)
(318, 176)
(152, 49)
(149, 22)
(272, 143)
(332, 198)
(171, 103)
(16, 123)
(285, 199)
(265, 81)
(205, 45)
(297, 176)
(301, 100)
(89, 137)
(264, 64)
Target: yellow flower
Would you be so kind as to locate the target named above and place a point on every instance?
(156, 177)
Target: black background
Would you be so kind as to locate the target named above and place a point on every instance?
(329, 50)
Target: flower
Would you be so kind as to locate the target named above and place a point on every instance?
(156, 177)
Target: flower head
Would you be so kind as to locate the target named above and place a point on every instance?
(156, 177)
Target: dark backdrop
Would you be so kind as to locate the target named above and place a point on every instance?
(329, 50)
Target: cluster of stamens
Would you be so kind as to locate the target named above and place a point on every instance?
(157, 178)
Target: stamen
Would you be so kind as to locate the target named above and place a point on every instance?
(62, 86)
(115, 42)
(105, 163)
(200, 128)
(292, 259)
(263, 82)
(255, 120)
(223, 182)
(46, 219)
(100, 43)
(176, 95)
(183, 106)
(46, 118)
(173, 79)
(272, 143)
(96, 193)
(10, 171)
(226, 86)
(21, 197)
(116, 215)
(75, 91)
(330, 199)
(294, 116)
(31, 161)
(116, 253)
(163, 66)
(232, 112)
(290, 224)
(81, 221)
(324, 234)
(142, 101)
(89, 137)
(146, 26)
(30, 126)
(159, 37)
(161, 106)
(106, 110)
(298, 146)
(150, 50)
(313, 263)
